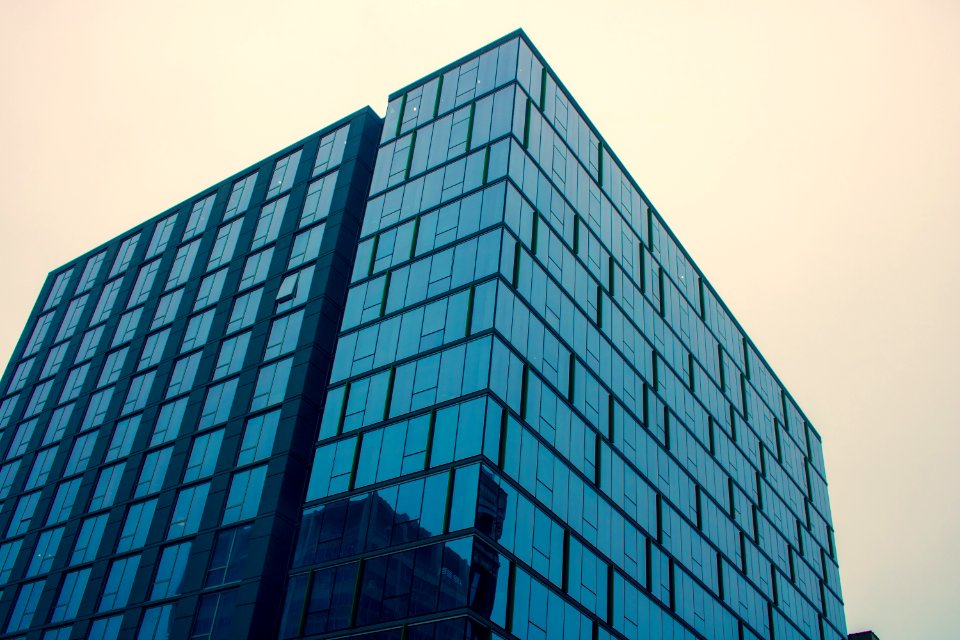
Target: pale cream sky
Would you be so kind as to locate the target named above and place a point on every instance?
(806, 154)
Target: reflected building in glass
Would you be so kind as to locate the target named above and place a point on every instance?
(442, 375)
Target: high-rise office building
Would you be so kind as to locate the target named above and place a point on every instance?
(442, 375)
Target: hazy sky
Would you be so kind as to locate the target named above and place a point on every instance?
(807, 157)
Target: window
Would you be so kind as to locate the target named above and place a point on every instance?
(106, 628)
(91, 271)
(284, 174)
(74, 383)
(270, 222)
(39, 333)
(45, 552)
(256, 268)
(6, 410)
(240, 196)
(25, 606)
(88, 540)
(56, 356)
(20, 376)
(203, 456)
(306, 246)
(58, 424)
(284, 335)
(80, 454)
(41, 468)
(8, 555)
(112, 367)
(156, 623)
(197, 330)
(330, 153)
(107, 485)
(213, 617)
(244, 310)
(153, 349)
(8, 473)
(118, 583)
(210, 289)
(161, 236)
(139, 393)
(225, 244)
(127, 327)
(258, 437)
(243, 501)
(153, 472)
(232, 352)
(294, 290)
(63, 501)
(169, 421)
(136, 526)
(21, 439)
(39, 398)
(107, 299)
(188, 510)
(124, 255)
(271, 384)
(183, 375)
(144, 283)
(71, 320)
(173, 563)
(124, 434)
(219, 401)
(199, 217)
(97, 409)
(167, 309)
(316, 207)
(71, 593)
(229, 554)
(182, 265)
(58, 289)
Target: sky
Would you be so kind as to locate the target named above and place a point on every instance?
(806, 154)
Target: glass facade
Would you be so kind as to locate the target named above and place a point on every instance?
(442, 375)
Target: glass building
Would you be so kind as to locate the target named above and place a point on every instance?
(447, 374)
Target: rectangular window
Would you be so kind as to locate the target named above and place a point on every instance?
(74, 383)
(21, 439)
(91, 271)
(58, 290)
(270, 222)
(229, 554)
(88, 540)
(124, 255)
(127, 327)
(144, 284)
(232, 352)
(306, 246)
(71, 320)
(219, 401)
(139, 393)
(119, 581)
(136, 526)
(112, 367)
(106, 302)
(71, 593)
(45, 552)
(8, 555)
(89, 344)
(107, 628)
(156, 623)
(316, 207)
(39, 399)
(188, 511)
(6, 410)
(225, 244)
(38, 334)
(284, 174)
(182, 265)
(167, 309)
(210, 289)
(284, 335)
(80, 454)
(97, 409)
(256, 269)
(294, 289)
(240, 196)
(58, 424)
(107, 484)
(271, 384)
(245, 310)
(197, 331)
(203, 456)
(124, 433)
(57, 354)
(169, 421)
(258, 437)
(41, 468)
(153, 349)
(184, 372)
(199, 216)
(173, 563)
(8, 473)
(63, 501)
(25, 606)
(20, 375)
(330, 152)
(214, 616)
(161, 236)
(153, 472)
(243, 501)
